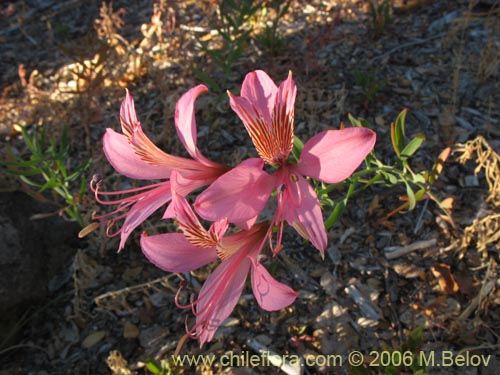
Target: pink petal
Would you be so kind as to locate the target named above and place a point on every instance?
(249, 114)
(144, 208)
(249, 241)
(128, 117)
(184, 186)
(182, 209)
(246, 224)
(191, 227)
(173, 253)
(185, 123)
(270, 293)
(220, 294)
(332, 156)
(125, 161)
(283, 117)
(303, 211)
(260, 131)
(260, 90)
(287, 93)
(150, 153)
(238, 195)
(219, 228)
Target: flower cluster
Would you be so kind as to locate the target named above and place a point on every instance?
(234, 197)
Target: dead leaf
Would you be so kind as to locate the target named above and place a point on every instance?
(409, 271)
(118, 364)
(93, 339)
(465, 283)
(439, 165)
(447, 203)
(446, 281)
(130, 330)
(374, 205)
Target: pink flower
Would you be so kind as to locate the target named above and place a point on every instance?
(134, 155)
(239, 255)
(267, 112)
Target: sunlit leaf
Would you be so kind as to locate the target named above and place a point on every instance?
(412, 146)
(297, 147)
(411, 196)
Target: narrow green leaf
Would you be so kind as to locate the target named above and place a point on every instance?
(20, 163)
(153, 367)
(27, 139)
(354, 121)
(50, 184)
(411, 196)
(29, 182)
(400, 129)
(298, 146)
(394, 140)
(419, 178)
(24, 172)
(365, 124)
(389, 177)
(412, 146)
(419, 195)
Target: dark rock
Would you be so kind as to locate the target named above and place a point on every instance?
(31, 253)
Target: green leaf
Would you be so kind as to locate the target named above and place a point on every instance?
(28, 181)
(419, 178)
(419, 195)
(354, 121)
(153, 367)
(400, 128)
(389, 177)
(25, 172)
(50, 184)
(412, 146)
(298, 146)
(398, 132)
(365, 124)
(20, 163)
(411, 196)
(27, 139)
(394, 140)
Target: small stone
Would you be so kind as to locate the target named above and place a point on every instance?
(471, 181)
(329, 283)
(93, 339)
(158, 299)
(130, 330)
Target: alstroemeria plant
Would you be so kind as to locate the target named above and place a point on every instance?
(295, 174)
(134, 155)
(267, 112)
(239, 254)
